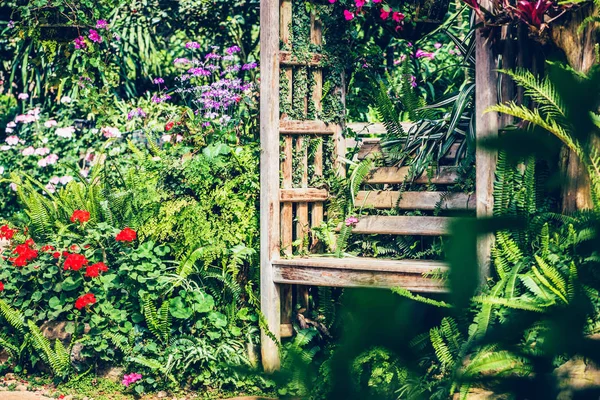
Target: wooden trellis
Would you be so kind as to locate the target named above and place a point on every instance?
(282, 205)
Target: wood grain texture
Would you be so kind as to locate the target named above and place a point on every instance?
(302, 207)
(397, 175)
(486, 79)
(286, 330)
(286, 58)
(303, 195)
(403, 225)
(294, 127)
(269, 180)
(360, 272)
(287, 216)
(426, 201)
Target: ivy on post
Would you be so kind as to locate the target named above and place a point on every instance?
(269, 181)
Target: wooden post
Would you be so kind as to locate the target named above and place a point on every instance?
(486, 127)
(269, 179)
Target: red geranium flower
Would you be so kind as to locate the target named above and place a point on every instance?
(25, 254)
(75, 261)
(73, 247)
(56, 254)
(85, 300)
(93, 271)
(47, 248)
(6, 232)
(169, 126)
(126, 235)
(81, 216)
(1, 286)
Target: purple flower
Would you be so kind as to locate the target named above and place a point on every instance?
(413, 81)
(138, 112)
(80, 43)
(421, 53)
(210, 56)
(181, 61)
(233, 49)
(11, 24)
(23, 96)
(351, 221)
(94, 36)
(158, 81)
(131, 378)
(249, 66)
(101, 24)
(192, 45)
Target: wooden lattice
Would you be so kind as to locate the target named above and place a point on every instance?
(288, 212)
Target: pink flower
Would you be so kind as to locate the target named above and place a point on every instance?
(421, 53)
(13, 186)
(437, 45)
(348, 15)
(131, 378)
(192, 45)
(351, 221)
(178, 138)
(48, 160)
(9, 130)
(42, 151)
(359, 3)
(101, 24)
(376, 1)
(332, 1)
(94, 36)
(50, 123)
(23, 96)
(80, 43)
(110, 132)
(397, 16)
(11, 124)
(384, 14)
(66, 179)
(26, 118)
(29, 151)
(166, 138)
(5, 148)
(50, 187)
(55, 180)
(12, 140)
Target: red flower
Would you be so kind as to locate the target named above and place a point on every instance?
(6, 232)
(81, 216)
(126, 235)
(169, 126)
(93, 271)
(56, 254)
(1, 286)
(85, 300)
(533, 12)
(47, 248)
(75, 261)
(25, 253)
(73, 247)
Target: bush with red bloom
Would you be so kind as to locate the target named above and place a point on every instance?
(6, 232)
(24, 254)
(1, 286)
(93, 271)
(85, 300)
(56, 254)
(126, 235)
(47, 248)
(80, 216)
(75, 261)
(169, 125)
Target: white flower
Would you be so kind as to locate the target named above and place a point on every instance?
(51, 159)
(29, 151)
(50, 123)
(26, 118)
(65, 132)
(66, 179)
(65, 100)
(9, 130)
(1, 169)
(12, 140)
(84, 172)
(5, 147)
(11, 124)
(110, 132)
(166, 138)
(156, 158)
(42, 151)
(178, 138)
(23, 96)
(55, 180)
(13, 186)
(45, 140)
(94, 130)
(42, 162)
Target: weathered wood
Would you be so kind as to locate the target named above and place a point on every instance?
(371, 147)
(339, 141)
(486, 79)
(286, 330)
(286, 207)
(285, 22)
(426, 201)
(397, 175)
(360, 272)
(303, 195)
(302, 206)
(269, 180)
(402, 225)
(286, 58)
(287, 305)
(293, 127)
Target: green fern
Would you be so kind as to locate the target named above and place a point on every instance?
(14, 317)
(158, 321)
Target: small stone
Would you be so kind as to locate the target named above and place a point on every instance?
(161, 394)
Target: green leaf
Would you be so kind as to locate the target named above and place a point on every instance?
(54, 302)
(179, 309)
(70, 284)
(202, 302)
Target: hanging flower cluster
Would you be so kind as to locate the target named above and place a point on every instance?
(126, 235)
(385, 11)
(80, 216)
(25, 253)
(81, 42)
(85, 300)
